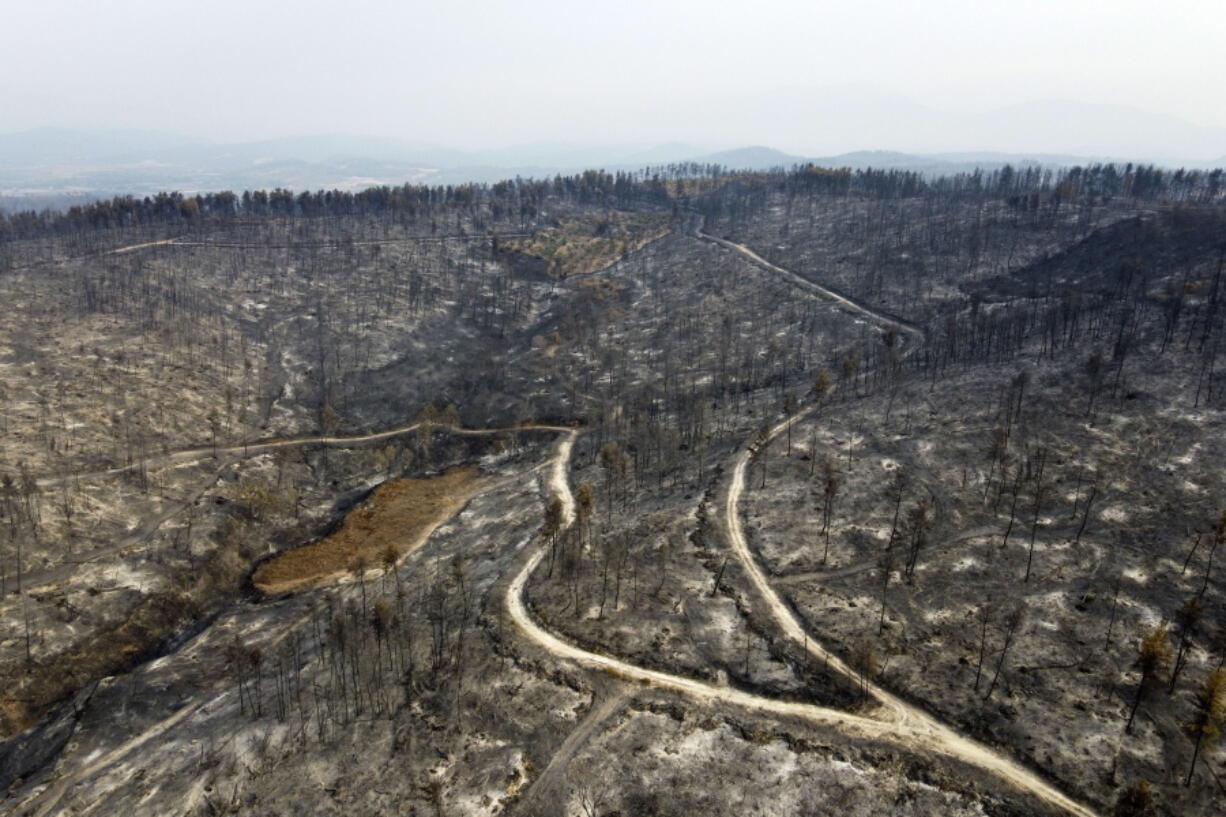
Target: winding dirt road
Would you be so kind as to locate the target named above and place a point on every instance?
(49, 798)
(191, 456)
(912, 727)
(918, 723)
(904, 724)
(901, 723)
(229, 454)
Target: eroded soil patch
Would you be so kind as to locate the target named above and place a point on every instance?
(397, 517)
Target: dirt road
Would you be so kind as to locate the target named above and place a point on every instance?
(916, 728)
(135, 247)
(900, 722)
(545, 794)
(45, 801)
(191, 456)
(916, 334)
(903, 723)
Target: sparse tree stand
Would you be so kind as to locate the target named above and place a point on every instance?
(847, 370)
(1086, 516)
(1219, 538)
(1206, 724)
(917, 531)
(1115, 601)
(613, 463)
(789, 408)
(718, 577)
(553, 524)
(821, 387)
(898, 489)
(1094, 378)
(585, 502)
(1017, 492)
(390, 557)
(864, 662)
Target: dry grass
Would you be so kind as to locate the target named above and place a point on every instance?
(397, 517)
(106, 652)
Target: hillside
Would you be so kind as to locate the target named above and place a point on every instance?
(797, 490)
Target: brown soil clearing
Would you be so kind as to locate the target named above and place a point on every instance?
(397, 517)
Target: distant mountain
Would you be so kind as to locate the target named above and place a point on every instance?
(935, 164)
(56, 161)
(60, 145)
(830, 120)
(756, 157)
(58, 164)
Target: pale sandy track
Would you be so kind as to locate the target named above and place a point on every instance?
(917, 723)
(911, 726)
(135, 247)
(905, 724)
(190, 456)
(546, 788)
(379, 242)
(901, 722)
(804, 283)
(45, 801)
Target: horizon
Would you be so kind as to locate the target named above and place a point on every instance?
(871, 141)
(273, 94)
(96, 180)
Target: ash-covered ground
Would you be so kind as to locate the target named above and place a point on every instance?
(984, 513)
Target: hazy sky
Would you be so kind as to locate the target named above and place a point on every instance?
(471, 73)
